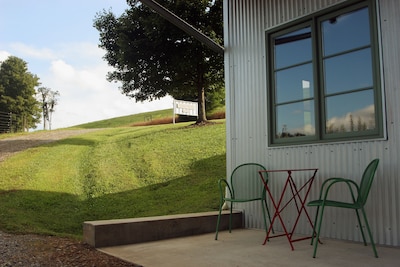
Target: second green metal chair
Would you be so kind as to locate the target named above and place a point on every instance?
(359, 194)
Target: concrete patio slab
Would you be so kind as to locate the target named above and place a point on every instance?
(243, 247)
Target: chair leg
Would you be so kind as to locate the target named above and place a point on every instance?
(315, 226)
(369, 233)
(318, 230)
(264, 216)
(360, 225)
(218, 220)
(230, 218)
(269, 218)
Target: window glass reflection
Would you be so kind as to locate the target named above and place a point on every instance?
(348, 71)
(324, 83)
(293, 48)
(296, 119)
(345, 32)
(352, 112)
(294, 83)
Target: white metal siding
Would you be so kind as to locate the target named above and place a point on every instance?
(245, 24)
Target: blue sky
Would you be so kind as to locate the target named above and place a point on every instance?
(58, 41)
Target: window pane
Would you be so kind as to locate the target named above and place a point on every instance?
(346, 32)
(350, 112)
(294, 84)
(296, 119)
(324, 82)
(293, 48)
(348, 71)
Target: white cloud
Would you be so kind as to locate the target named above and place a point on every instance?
(26, 51)
(4, 55)
(86, 95)
(61, 71)
(78, 72)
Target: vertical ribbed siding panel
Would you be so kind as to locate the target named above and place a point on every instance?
(281, 11)
(247, 125)
(247, 48)
(387, 208)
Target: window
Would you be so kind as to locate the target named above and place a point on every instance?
(324, 80)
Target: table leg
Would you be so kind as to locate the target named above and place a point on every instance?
(277, 214)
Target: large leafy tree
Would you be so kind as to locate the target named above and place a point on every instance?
(153, 58)
(17, 92)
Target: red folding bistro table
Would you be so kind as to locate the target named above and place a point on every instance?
(298, 199)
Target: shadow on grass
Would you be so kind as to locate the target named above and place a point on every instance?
(75, 141)
(55, 213)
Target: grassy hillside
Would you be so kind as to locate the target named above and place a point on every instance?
(118, 172)
(129, 120)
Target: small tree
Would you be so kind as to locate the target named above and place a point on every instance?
(49, 100)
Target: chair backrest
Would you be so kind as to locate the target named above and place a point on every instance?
(366, 181)
(246, 182)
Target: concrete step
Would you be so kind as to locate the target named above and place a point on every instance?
(106, 233)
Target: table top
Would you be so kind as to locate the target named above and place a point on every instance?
(290, 170)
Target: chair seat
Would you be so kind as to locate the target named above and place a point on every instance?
(333, 203)
(242, 199)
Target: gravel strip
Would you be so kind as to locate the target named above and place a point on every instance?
(50, 251)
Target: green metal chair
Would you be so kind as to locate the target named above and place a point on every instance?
(245, 185)
(361, 191)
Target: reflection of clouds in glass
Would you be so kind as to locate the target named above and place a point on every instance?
(308, 129)
(296, 119)
(359, 120)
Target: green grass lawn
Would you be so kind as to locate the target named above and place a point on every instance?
(118, 172)
(130, 119)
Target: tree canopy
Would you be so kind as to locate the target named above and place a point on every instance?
(153, 58)
(17, 93)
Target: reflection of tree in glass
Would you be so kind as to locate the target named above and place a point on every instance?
(365, 118)
(287, 134)
(306, 130)
(361, 126)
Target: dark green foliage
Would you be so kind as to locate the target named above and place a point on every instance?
(153, 58)
(17, 93)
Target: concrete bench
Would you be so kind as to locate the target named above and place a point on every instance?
(107, 233)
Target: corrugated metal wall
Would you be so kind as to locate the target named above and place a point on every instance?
(245, 66)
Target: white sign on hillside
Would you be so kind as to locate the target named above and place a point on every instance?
(185, 108)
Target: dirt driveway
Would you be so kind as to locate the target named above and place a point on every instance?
(12, 145)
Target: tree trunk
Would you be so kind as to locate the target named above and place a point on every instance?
(201, 99)
(201, 107)
(44, 123)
